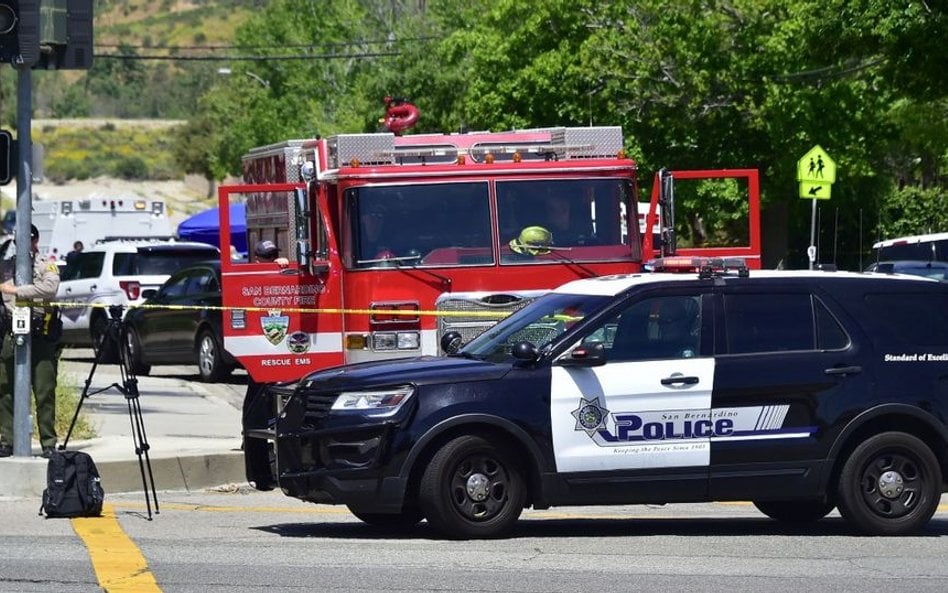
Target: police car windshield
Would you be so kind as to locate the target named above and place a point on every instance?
(540, 323)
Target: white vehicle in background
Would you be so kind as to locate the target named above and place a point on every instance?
(117, 272)
(63, 222)
(929, 247)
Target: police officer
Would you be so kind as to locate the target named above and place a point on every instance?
(46, 327)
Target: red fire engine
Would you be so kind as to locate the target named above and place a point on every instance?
(394, 240)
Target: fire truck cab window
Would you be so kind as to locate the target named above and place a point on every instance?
(581, 219)
(445, 224)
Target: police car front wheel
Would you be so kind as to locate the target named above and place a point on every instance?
(890, 485)
(472, 489)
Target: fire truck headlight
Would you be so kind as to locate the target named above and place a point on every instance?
(409, 341)
(384, 341)
(381, 402)
(396, 341)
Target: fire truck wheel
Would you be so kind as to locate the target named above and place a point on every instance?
(135, 354)
(472, 488)
(404, 520)
(210, 358)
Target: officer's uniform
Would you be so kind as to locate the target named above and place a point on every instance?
(43, 366)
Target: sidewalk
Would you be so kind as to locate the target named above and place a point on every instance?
(193, 437)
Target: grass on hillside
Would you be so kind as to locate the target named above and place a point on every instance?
(126, 153)
(170, 22)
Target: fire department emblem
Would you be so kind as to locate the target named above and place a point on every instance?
(275, 326)
(298, 342)
(590, 415)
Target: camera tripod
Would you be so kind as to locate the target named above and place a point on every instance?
(115, 339)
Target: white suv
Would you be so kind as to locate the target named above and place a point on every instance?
(116, 272)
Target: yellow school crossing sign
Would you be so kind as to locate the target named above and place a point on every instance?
(816, 172)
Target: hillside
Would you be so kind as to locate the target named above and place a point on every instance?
(151, 23)
(105, 131)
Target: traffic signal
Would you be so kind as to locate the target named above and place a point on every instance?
(65, 35)
(19, 32)
(7, 164)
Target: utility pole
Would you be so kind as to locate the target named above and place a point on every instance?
(22, 340)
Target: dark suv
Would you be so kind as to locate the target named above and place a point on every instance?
(800, 391)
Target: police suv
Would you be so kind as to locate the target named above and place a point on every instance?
(800, 391)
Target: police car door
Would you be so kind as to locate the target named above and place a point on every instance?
(646, 413)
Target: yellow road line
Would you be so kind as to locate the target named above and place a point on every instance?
(118, 563)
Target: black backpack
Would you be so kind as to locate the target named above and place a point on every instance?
(73, 487)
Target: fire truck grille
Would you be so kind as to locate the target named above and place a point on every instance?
(471, 326)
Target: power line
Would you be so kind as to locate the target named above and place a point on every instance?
(265, 47)
(355, 56)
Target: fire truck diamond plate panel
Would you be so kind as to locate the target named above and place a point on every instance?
(368, 149)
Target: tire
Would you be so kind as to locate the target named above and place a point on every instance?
(794, 511)
(472, 489)
(889, 485)
(104, 346)
(210, 358)
(404, 520)
(136, 366)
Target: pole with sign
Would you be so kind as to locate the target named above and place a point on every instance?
(816, 172)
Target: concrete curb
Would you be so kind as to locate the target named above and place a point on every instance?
(26, 477)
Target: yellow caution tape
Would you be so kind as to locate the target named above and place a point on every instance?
(328, 311)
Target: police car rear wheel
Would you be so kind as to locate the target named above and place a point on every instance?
(890, 485)
(403, 520)
(471, 489)
(794, 511)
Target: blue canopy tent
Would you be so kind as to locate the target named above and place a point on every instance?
(205, 228)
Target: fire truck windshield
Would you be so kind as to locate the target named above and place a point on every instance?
(449, 224)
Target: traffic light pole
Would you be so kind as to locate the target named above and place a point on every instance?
(22, 386)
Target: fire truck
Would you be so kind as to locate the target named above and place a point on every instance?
(394, 240)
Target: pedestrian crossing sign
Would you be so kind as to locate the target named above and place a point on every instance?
(816, 167)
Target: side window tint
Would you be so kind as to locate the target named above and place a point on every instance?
(768, 323)
(176, 287)
(660, 327)
(829, 334)
(90, 265)
(915, 318)
(123, 264)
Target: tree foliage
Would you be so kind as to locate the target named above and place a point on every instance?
(694, 84)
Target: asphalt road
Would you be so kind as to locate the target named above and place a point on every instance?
(242, 540)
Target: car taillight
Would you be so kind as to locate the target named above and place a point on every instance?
(132, 289)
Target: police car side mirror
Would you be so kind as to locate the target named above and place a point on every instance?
(451, 342)
(149, 293)
(591, 354)
(525, 351)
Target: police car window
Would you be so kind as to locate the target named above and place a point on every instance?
(540, 323)
(757, 323)
(910, 318)
(659, 327)
(89, 265)
(829, 334)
